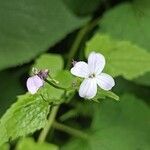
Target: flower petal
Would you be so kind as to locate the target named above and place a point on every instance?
(80, 69)
(105, 81)
(34, 83)
(88, 88)
(96, 62)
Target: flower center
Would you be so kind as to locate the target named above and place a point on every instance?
(92, 75)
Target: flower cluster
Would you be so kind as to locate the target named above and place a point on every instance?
(90, 71)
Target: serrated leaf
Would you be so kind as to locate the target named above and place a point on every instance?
(31, 27)
(122, 57)
(25, 116)
(129, 21)
(53, 62)
(3, 134)
(117, 126)
(30, 144)
(88, 6)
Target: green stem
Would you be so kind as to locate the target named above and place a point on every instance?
(51, 119)
(69, 130)
(79, 39)
(68, 115)
(54, 85)
(76, 45)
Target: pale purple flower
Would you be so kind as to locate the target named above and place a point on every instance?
(93, 76)
(35, 82)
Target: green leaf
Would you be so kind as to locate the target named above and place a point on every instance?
(4, 147)
(65, 79)
(53, 62)
(31, 27)
(129, 21)
(25, 116)
(51, 94)
(55, 65)
(88, 6)
(102, 94)
(124, 125)
(122, 57)
(10, 86)
(143, 80)
(30, 144)
(57, 96)
(3, 134)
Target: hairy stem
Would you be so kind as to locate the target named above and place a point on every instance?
(51, 119)
(69, 130)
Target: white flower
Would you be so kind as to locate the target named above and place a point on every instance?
(93, 76)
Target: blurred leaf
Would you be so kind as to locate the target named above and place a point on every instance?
(129, 21)
(122, 57)
(124, 125)
(53, 62)
(143, 80)
(88, 6)
(30, 27)
(25, 116)
(29, 144)
(10, 86)
(4, 147)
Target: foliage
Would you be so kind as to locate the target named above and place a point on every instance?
(30, 27)
(48, 35)
(119, 124)
(121, 56)
(28, 114)
(28, 143)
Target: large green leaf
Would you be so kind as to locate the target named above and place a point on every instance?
(25, 116)
(129, 21)
(30, 27)
(124, 125)
(122, 57)
(87, 8)
(30, 144)
(10, 86)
